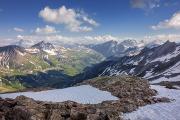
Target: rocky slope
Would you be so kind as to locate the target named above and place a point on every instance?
(9, 55)
(133, 92)
(16, 58)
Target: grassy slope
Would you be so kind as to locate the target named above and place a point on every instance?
(9, 86)
(4, 89)
(74, 63)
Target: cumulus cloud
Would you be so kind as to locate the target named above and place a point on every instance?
(101, 38)
(90, 21)
(73, 20)
(173, 22)
(46, 30)
(145, 4)
(18, 29)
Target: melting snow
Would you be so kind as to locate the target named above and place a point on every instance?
(148, 74)
(177, 78)
(22, 54)
(132, 71)
(51, 52)
(159, 111)
(111, 71)
(136, 62)
(82, 94)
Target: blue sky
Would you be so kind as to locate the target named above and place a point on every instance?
(122, 18)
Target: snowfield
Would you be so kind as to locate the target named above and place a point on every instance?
(172, 79)
(159, 111)
(84, 94)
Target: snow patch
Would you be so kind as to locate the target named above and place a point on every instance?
(22, 54)
(159, 111)
(136, 62)
(84, 94)
(148, 74)
(132, 71)
(51, 52)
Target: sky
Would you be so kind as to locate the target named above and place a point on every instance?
(88, 21)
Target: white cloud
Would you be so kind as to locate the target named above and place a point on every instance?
(18, 29)
(46, 30)
(50, 38)
(101, 38)
(73, 20)
(81, 14)
(145, 4)
(173, 22)
(162, 38)
(90, 21)
(19, 37)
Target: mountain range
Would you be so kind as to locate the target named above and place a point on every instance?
(46, 65)
(115, 49)
(43, 64)
(156, 64)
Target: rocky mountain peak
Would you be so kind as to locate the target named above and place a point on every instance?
(43, 46)
(129, 42)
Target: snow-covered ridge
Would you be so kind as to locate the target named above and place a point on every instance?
(84, 94)
(150, 63)
(167, 57)
(44, 46)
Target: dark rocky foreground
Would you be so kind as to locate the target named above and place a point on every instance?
(133, 92)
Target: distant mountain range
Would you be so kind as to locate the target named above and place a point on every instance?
(115, 49)
(159, 63)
